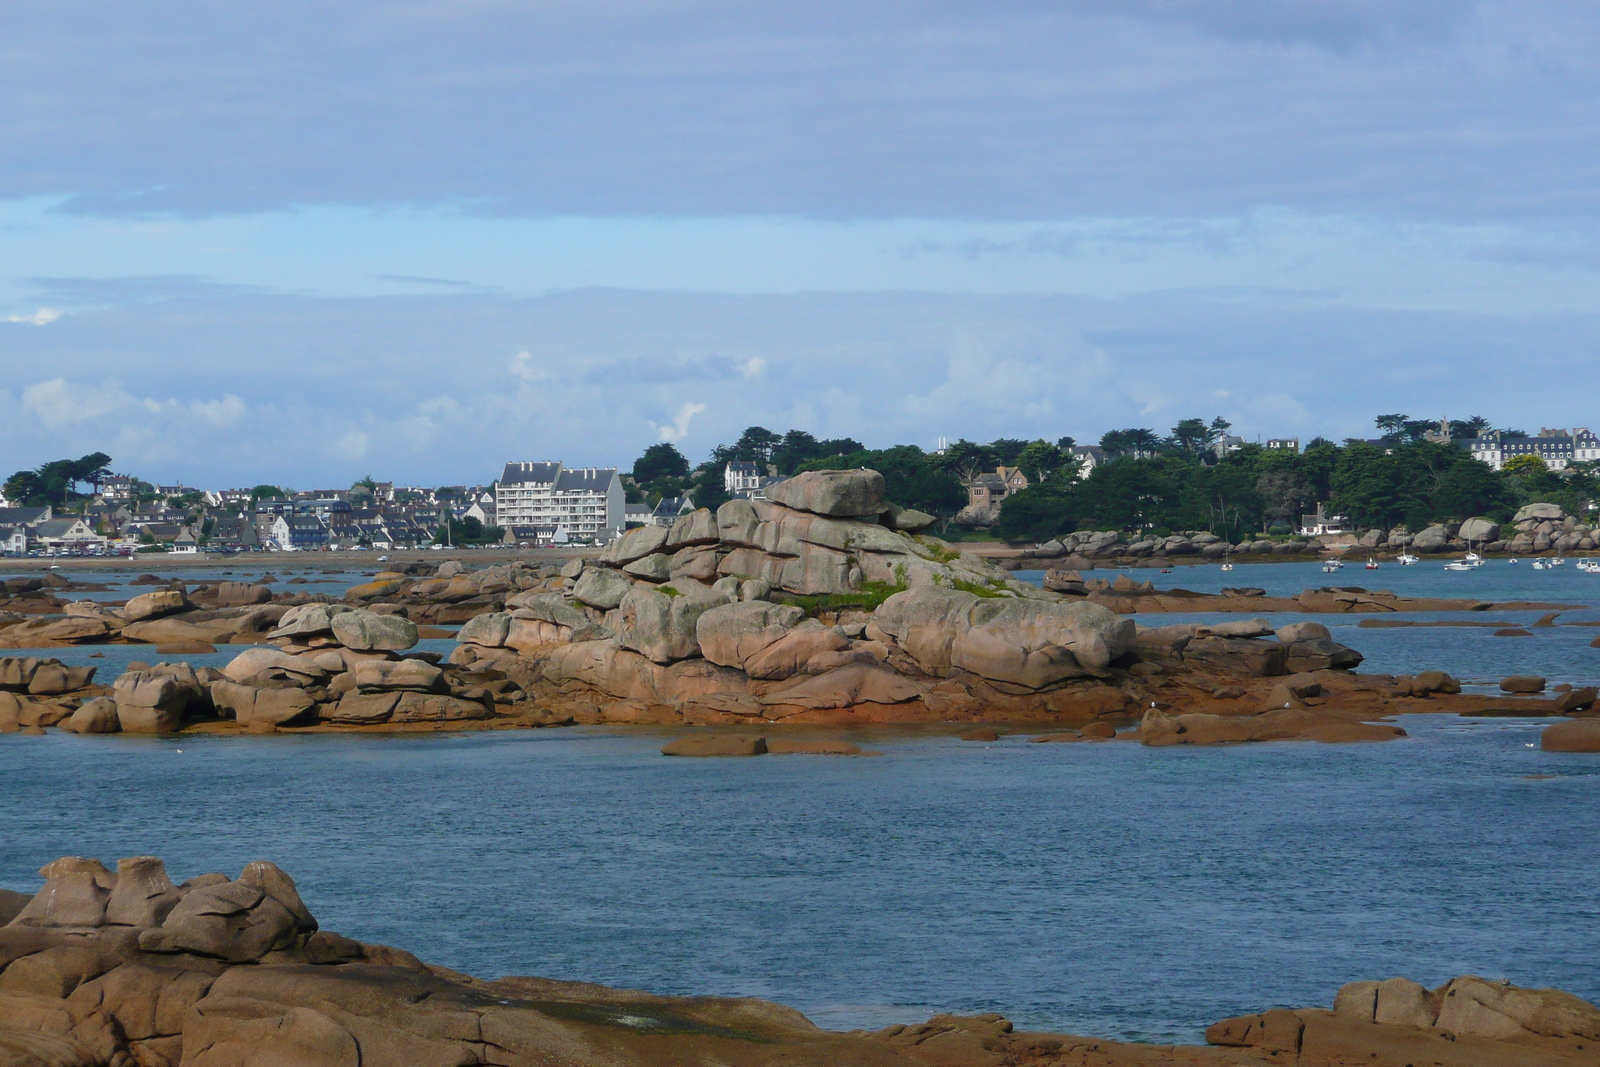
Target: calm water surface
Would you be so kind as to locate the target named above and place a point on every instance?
(1107, 889)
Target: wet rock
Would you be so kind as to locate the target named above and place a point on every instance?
(716, 745)
(97, 716)
(1522, 683)
(1576, 735)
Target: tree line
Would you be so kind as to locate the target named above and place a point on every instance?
(1193, 478)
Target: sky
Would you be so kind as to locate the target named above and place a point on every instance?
(302, 243)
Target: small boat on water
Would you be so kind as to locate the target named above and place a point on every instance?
(1513, 562)
(1557, 562)
(1589, 566)
(1459, 565)
(1227, 566)
(1406, 559)
(1540, 565)
(1331, 566)
(1372, 564)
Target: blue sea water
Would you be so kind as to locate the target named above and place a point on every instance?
(1107, 889)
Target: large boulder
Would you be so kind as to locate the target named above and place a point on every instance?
(382, 675)
(97, 716)
(251, 705)
(698, 527)
(1479, 530)
(155, 605)
(237, 922)
(601, 587)
(1539, 512)
(1433, 539)
(660, 623)
(489, 630)
(789, 655)
(732, 633)
(635, 544)
(1030, 643)
(368, 631)
(852, 494)
(149, 703)
(1573, 735)
(252, 662)
(240, 594)
(308, 620)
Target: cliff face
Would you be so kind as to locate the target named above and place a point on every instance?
(124, 968)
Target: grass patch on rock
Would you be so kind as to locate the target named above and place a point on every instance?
(867, 598)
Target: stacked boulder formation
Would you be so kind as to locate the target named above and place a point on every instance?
(828, 605)
(326, 663)
(123, 967)
(171, 618)
(36, 693)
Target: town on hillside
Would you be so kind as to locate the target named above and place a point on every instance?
(1199, 478)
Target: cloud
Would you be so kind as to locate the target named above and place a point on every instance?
(1023, 110)
(42, 317)
(320, 391)
(751, 367)
(353, 445)
(678, 429)
(57, 403)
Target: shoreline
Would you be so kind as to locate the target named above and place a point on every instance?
(104, 967)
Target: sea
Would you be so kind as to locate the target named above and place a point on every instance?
(1104, 889)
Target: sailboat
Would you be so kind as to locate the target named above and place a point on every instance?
(1372, 564)
(1405, 559)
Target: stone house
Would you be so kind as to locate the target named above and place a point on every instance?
(988, 490)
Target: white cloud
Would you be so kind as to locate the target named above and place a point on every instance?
(678, 429)
(42, 317)
(224, 412)
(752, 366)
(352, 445)
(58, 403)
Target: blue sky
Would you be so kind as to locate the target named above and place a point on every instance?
(309, 242)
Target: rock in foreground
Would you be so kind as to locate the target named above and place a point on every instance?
(124, 968)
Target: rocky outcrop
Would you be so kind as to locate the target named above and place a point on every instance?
(125, 968)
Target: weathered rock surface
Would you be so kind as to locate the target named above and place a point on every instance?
(853, 494)
(1574, 735)
(124, 968)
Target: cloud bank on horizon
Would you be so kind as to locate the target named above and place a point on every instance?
(422, 238)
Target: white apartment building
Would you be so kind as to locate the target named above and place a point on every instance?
(587, 502)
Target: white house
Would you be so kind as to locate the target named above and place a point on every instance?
(588, 503)
(1322, 523)
(742, 478)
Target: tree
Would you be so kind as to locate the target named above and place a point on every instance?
(1525, 464)
(1038, 513)
(1476, 426)
(661, 460)
(966, 460)
(1066, 444)
(1191, 435)
(1471, 488)
(756, 443)
(1040, 459)
(266, 492)
(1391, 426)
(1136, 441)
